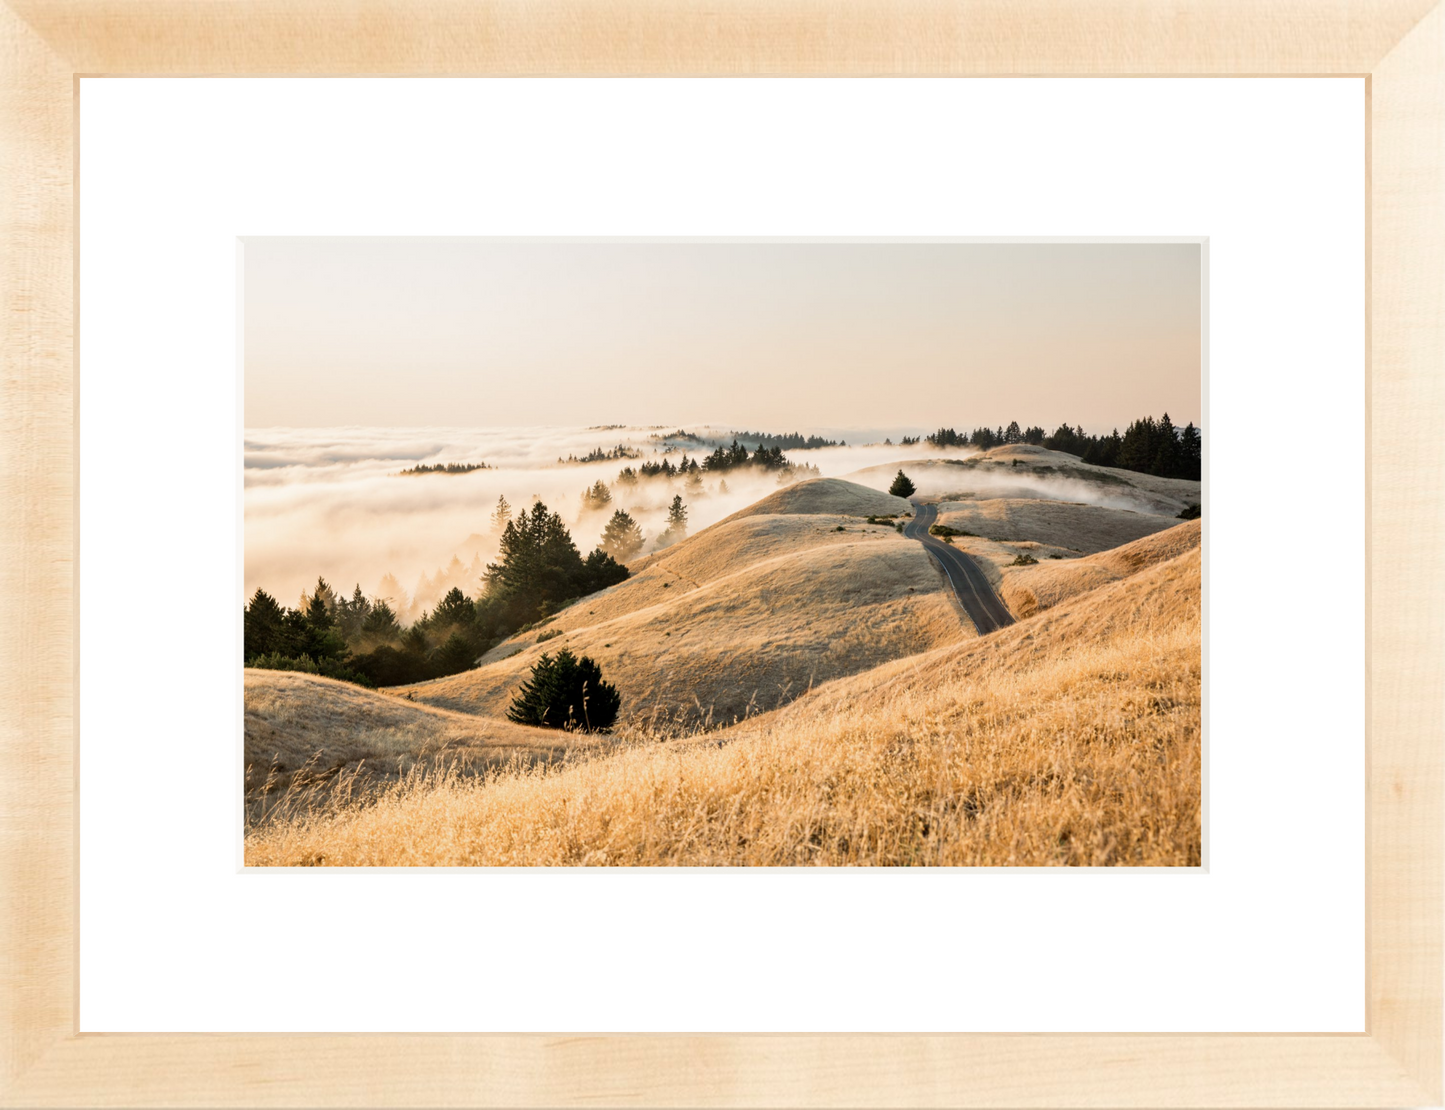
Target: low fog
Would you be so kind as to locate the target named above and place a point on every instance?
(332, 502)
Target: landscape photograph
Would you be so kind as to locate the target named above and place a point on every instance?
(722, 552)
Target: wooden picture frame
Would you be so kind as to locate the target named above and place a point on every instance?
(1397, 45)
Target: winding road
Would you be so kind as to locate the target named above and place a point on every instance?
(982, 605)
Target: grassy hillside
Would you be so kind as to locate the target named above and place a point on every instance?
(1062, 526)
(827, 495)
(738, 619)
(1072, 737)
(301, 729)
(1029, 589)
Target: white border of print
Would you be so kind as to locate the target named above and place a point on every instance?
(174, 937)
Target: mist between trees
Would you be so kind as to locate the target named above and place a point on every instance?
(538, 571)
(360, 639)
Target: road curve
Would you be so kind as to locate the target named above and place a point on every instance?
(983, 606)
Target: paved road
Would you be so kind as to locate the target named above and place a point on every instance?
(983, 606)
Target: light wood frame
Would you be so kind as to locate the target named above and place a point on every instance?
(45, 45)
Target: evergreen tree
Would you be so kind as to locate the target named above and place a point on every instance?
(568, 693)
(320, 605)
(1013, 434)
(381, 622)
(264, 627)
(459, 653)
(389, 590)
(596, 497)
(676, 523)
(902, 486)
(622, 538)
(351, 613)
(600, 570)
(455, 610)
(538, 561)
(501, 515)
(1191, 453)
(1168, 458)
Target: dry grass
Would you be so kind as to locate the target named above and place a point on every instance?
(1028, 590)
(1082, 529)
(737, 620)
(301, 730)
(1070, 738)
(826, 495)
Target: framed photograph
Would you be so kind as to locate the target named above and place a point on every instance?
(773, 555)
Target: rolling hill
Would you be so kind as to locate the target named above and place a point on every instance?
(744, 616)
(302, 729)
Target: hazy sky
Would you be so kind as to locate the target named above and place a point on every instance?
(769, 336)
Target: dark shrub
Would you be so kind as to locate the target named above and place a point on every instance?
(566, 692)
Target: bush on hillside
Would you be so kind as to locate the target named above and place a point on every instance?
(567, 693)
(1191, 513)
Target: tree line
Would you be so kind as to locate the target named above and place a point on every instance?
(445, 468)
(359, 639)
(597, 454)
(788, 441)
(1148, 446)
(735, 456)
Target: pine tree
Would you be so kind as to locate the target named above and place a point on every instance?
(381, 622)
(596, 497)
(454, 610)
(1013, 434)
(676, 523)
(539, 562)
(263, 626)
(501, 515)
(320, 605)
(1191, 452)
(902, 486)
(568, 693)
(1168, 458)
(622, 538)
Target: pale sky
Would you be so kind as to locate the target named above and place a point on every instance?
(763, 336)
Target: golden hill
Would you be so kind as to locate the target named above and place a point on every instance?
(740, 618)
(827, 495)
(1062, 525)
(301, 728)
(1072, 737)
(1029, 589)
